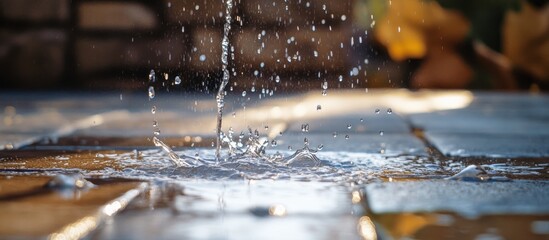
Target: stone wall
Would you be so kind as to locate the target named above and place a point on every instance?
(114, 44)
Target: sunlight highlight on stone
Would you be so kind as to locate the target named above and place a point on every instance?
(355, 197)
(112, 208)
(366, 228)
(277, 210)
(429, 101)
(76, 230)
(399, 101)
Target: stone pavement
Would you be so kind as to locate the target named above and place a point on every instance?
(386, 154)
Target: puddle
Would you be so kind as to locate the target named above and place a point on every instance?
(337, 167)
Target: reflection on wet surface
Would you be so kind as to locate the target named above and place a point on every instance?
(30, 208)
(264, 209)
(454, 226)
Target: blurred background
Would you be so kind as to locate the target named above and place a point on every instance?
(287, 45)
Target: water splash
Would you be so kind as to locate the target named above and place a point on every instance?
(304, 157)
(180, 161)
(471, 172)
(220, 98)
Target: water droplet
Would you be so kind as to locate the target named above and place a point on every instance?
(320, 147)
(324, 92)
(151, 92)
(155, 124)
(335, 134)
(253, 89)
(152, 76)
(318, 107)
(362, 120)
(121, 97)
(306, 141)
(153, 110)
(273, 143)
(305, 127)
(389, 111)
(381, 133)
(156, 132)
(349, 126)
(325, 85)
(343, 18)
(346, 136)
(341, 78)
(354, 72)
(266, 127)
(377, 111)
(277, 79)
(202, 58)
(177, 80)
(243, 93)
(290, 148)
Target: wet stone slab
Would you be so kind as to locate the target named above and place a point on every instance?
(241, 210)
(109, 136)
(491, 121)
(435, 209)
(490, 145)
(502, 125)
(469, 199)
(31, 209)
(29, 117)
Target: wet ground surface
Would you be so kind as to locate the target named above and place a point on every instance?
(386, 164)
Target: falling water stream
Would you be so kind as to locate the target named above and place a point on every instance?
(220, 98)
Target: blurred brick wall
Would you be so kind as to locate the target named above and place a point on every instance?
(114, 44)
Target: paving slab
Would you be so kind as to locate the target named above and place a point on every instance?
(11, 141)
(28, 117)
(490, 145)
(435, 209)
(243, 210)
(492, 125)
(452, 226)
(482, 121)
(470, 199)
(29, 209)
